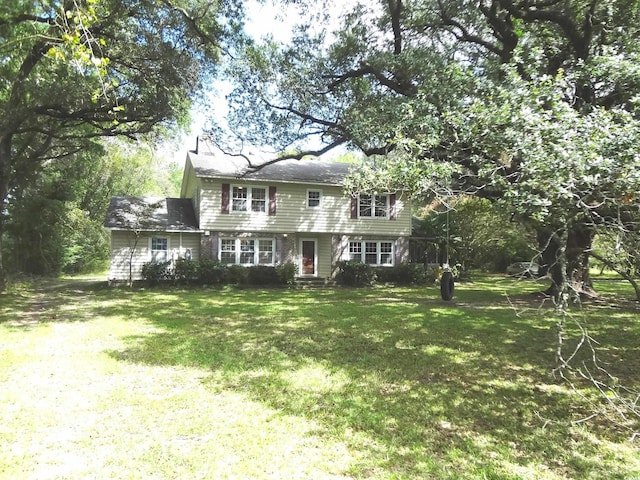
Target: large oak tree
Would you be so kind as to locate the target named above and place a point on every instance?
(73, 71)
(532, 103)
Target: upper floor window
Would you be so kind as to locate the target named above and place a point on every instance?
(373, 206)
(245, 199)
(314, 198)
(159, 249)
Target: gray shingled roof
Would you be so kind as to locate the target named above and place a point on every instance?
(295, 171)
(151, 214)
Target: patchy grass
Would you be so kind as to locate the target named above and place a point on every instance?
(328, 384)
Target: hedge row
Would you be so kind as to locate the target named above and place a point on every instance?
(357, 274)
(209, 272)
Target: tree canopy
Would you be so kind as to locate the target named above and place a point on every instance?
(73, 71)
(530, 103)
(56, 223)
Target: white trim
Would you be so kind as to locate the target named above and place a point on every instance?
(267, 181)
(363, 251)
(151, 250)
(320, 199)
(249, 199)
(373, 216)
(237, 249)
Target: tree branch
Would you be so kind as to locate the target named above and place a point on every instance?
(395, 8)
(463, 34)
(532, 13)
(24, 17)
(619, 271)
(406, 88)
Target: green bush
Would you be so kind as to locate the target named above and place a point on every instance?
(211, 272)
(287, 273)
(185, 271)
(406, 274)
(155, 272)
(354, 274)
(262, 275)
(236, 275)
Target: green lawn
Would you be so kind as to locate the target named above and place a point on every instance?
(97, 382)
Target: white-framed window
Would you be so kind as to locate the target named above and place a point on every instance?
(258, 199)
(266, 252)
(228, 250)
(239, 198)
(355, 251)
(245, 199)
(373, 206)
(247, 251)
(371, 252)
(314, 198)
(159, 249)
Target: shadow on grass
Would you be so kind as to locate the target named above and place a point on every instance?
(420, 387)
(427, 382)
(30, 303)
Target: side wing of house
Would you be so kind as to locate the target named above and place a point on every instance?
(147, 230)
(130, 251)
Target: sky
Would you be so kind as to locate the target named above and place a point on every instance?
(263, 19)
(270, 18)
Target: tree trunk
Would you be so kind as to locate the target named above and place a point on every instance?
(552, 259)
(579, 243)
(5, 173)
(565, 258)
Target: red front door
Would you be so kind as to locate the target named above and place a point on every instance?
(308, 266)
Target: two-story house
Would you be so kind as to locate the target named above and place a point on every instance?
(290, 211)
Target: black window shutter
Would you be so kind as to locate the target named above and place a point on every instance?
(354, 206)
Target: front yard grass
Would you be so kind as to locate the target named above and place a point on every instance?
(382, 383)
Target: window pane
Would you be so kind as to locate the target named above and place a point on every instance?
(258, 200)
(265, 251)
(247, 252)
(313, 199)
(239, 199)
(371, 253)
(386, 253)
(355, 251)
(228, 257)
(159, 243)
(381, 206)
(159, 249)
(365, 206)
(265, 258)
(228, 251)
(159, 256)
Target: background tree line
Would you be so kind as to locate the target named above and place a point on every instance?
(73, 71)
(55, 224)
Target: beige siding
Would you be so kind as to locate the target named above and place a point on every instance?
(293, 216)
(124, 243)
(323, 253)
(191, 186)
